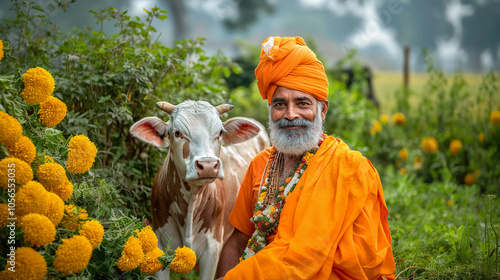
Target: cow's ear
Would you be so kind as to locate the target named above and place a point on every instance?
(151, 130)
(238, 130)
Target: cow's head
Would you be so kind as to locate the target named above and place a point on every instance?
(194, 134)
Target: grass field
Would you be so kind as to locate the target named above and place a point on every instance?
(387, 83)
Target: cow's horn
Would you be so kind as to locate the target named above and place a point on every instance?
(224, 108)
(165, 106)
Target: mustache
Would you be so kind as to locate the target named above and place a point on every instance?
(295, 122)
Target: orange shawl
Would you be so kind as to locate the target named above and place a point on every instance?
(333, 226)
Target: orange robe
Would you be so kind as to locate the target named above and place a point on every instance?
(333, 225)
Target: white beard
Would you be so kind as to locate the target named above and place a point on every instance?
(298, 141)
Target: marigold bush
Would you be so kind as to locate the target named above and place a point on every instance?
(81, 154)
(38, 85)
(93, 231)
(11, 129)
(38, 230)
(23, 149)
(52, 111)
(31, 198)
(29, 265)
(14, 170)
(73, 255)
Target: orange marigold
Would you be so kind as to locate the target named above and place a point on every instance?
(52, 111)
(384, 118)
(73, 216)
(73, 255)
(64, 190)
(132, 255)
(38, 85)
(37, 229)
(31, 198)
(429, 144)
(23, 149)
(4, 214)
(147, 238)
(29, 264)
(403, 154)
(51, 174)
(81, 155)
(14, 171)
(399, 119)
(55, 208)
(1, 49)
(184, 261)
(495, 117)
(11, 129)
(150, 263)
(94, 232)
(455, 147)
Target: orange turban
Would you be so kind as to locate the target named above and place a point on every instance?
(288, 62)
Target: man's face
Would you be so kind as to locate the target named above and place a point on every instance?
(295, 121)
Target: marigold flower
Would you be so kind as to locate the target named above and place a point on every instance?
(14, 170)
(52, 111)
(38, 85)
(11, 129)
(29, 265)
(455, 147)
(81, 154)
(399, 119)
(31, 198)
(73, 255)
(373, 131)
(23, 149)
(64, 190)
(377, 126)
(147, 238)
(418, 162)
(94, 232)
(132, 255)
(384, 118)
(429, 144)
(403, 154)
(184, 261)
(495, 117)
(38, 230)
(481, 137)
(150, 263)
(51, 174)
(471, 178)
(73, 216)
(55, 208)
(1, 49)
(402, 171)
(4, 214)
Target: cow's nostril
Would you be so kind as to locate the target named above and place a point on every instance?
(216, 166)
(198, 165)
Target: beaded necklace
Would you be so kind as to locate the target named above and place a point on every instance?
(271, 199)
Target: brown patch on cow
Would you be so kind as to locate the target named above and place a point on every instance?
(210, 205)
(167, 191)
(185, 150)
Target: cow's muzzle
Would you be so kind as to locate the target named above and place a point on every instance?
(207, 168)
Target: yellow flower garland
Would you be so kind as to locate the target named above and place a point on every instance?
(29, 265)
(52, 111)
(14, 168)
(184, 261)
(23, 149)
(81, 155)
(93, 231)
(73, 255)
(38, 85)
(38, 230)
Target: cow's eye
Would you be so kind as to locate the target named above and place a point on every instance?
(177, 133)
(221, 131)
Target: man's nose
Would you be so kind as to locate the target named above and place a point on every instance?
(291, 112)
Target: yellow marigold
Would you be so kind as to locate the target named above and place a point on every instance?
(429, 144)
(402, 171)
(384, 118)
(418, 162)
(73, 216)
(94, 232)
(23, 149)
(52, 111)
(31, 198)
(373, 131)
(1, 49)
(150, 263)
(308, 157)
(184, 261)
(481, 137)
(403, 154)
(81, 154)
(455, 147)
(55, 208)
(11, 129)
(51, 174)
(495, 117)
(64, 190)
(4, 214)
(377, 126)
(29, 264)
(38, 85)
(132, 255)
(147, 238)
(14, 171)
(37, 229)
(470, 178)
(73, 255)
(399, 119)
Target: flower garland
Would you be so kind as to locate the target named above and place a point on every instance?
(268, 208)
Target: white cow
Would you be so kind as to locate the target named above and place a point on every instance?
(190, 201)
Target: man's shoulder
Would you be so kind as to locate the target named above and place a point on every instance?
(344, 156)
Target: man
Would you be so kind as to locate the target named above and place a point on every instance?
(309, 207)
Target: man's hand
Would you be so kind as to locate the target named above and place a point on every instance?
(231, 253)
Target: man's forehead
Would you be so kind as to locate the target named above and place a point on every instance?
(286, 94)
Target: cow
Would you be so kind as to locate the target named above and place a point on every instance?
(196, 188)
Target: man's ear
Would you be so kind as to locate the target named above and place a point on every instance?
(151, 130)
(238, 130)
(324, 109)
